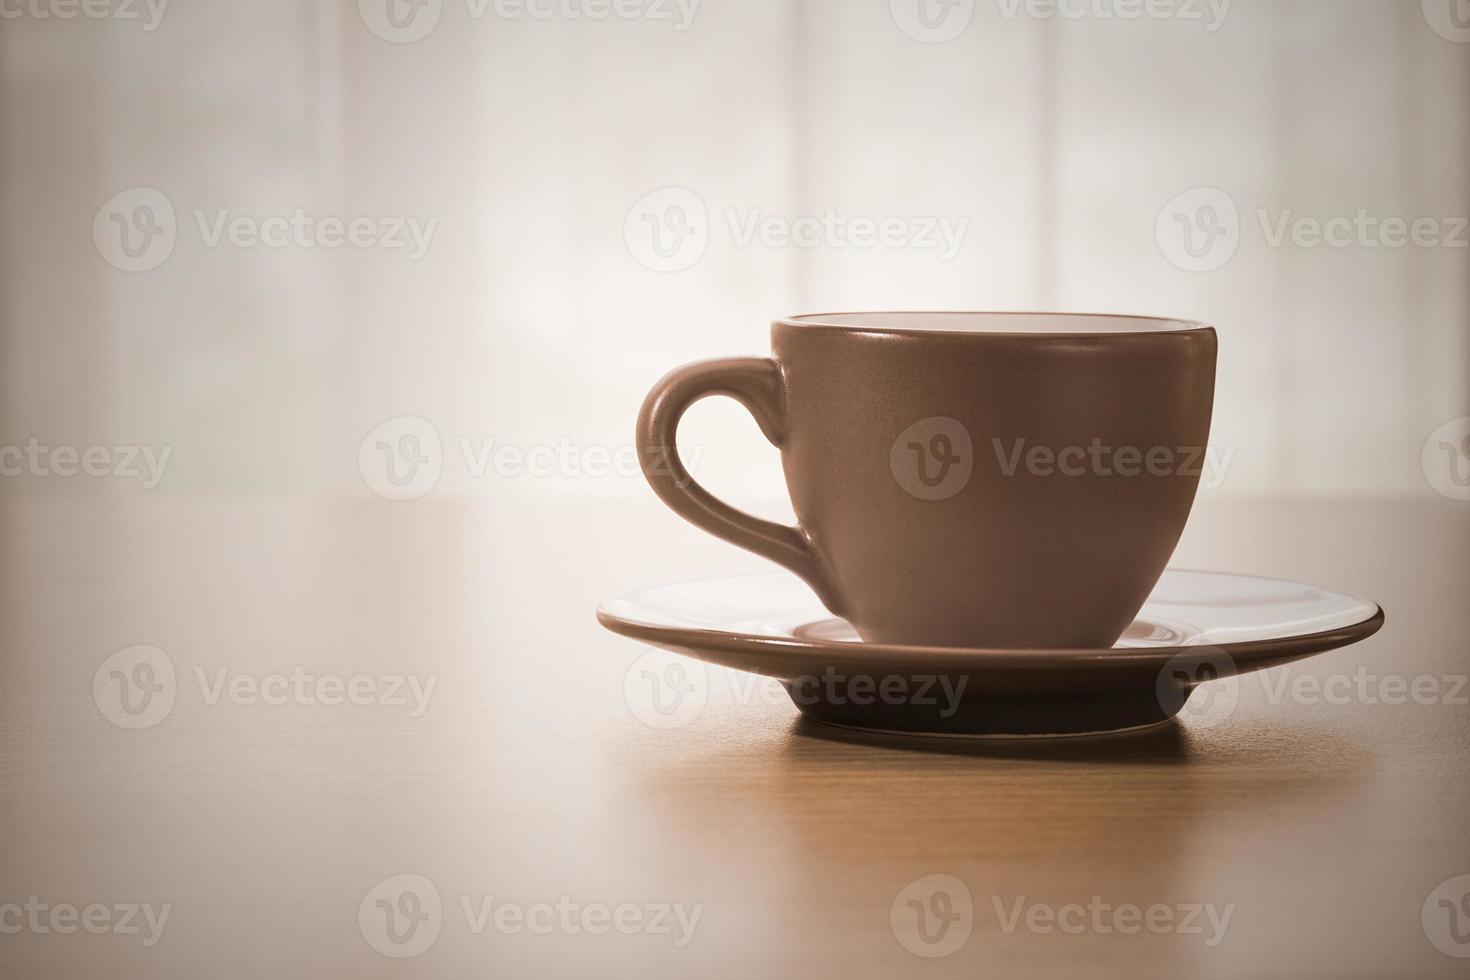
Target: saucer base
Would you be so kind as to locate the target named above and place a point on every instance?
(971, 737)
(958, 711)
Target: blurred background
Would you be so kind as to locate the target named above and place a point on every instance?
(252, 234)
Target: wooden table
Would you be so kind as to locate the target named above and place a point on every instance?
(272, 831)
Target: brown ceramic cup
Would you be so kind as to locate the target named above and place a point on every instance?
(964, 479)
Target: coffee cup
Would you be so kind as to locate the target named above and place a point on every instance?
(1009, 480)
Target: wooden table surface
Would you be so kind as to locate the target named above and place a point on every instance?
(550, 831)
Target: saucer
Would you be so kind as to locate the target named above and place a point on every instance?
(1196, 626)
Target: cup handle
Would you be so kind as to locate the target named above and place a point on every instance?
(758, 384)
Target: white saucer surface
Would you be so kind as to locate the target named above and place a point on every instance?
(1187, 608)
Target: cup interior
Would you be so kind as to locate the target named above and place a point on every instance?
(961, 322)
